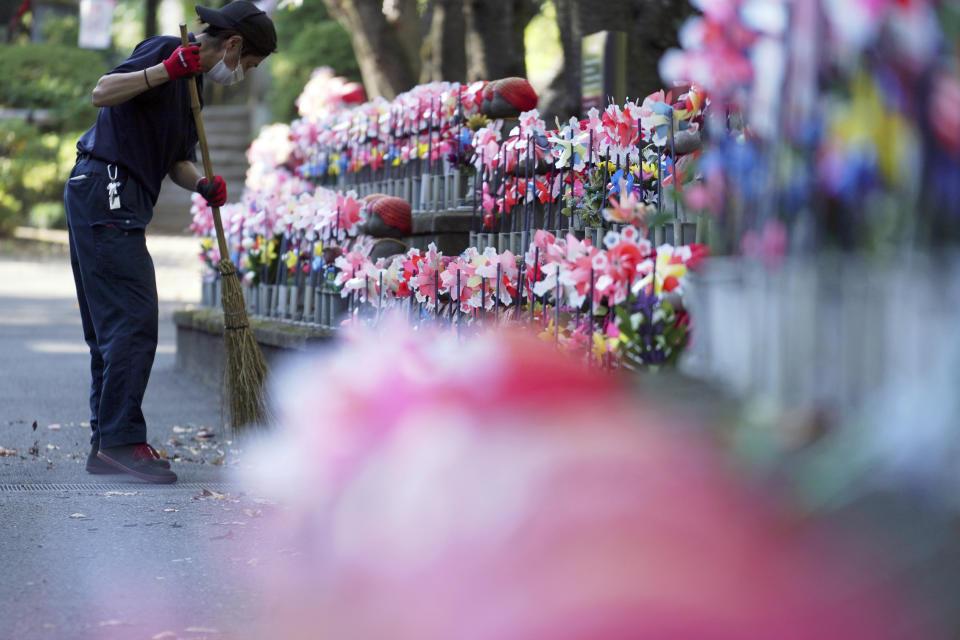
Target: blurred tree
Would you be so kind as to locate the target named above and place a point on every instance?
(150, 18)
(385, 37)
(651, 27)
(401, 42)
(49, 83)
(494, 41)
(309, 37)
(443, 55)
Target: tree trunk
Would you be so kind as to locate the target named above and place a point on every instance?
(656, 24)
(150, 18)
(383, 39)
(494, 37)
(651, 27)
(444, 54)
(564, 95)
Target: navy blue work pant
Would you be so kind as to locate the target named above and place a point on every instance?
(117, 294)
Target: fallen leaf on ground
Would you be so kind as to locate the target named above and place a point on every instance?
(122, 493)
(212, 494)
(112, 623)
(218, 461)
(7, 452)
(53, 427)
(170, 510)
(253, 513)
(34, 425)
(179, 429)
(78, 515)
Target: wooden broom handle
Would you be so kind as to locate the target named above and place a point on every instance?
(204, 150)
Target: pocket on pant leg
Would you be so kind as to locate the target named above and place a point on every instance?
(122, 253)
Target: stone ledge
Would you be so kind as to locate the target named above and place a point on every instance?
(200, 348)
(267, 332)
(449, 221)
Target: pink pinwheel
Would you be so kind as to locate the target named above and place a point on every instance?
(716, 53)
(629, 209)
(472, 97)
(351, 213)
(390, 272)
(395, 436)
(511, 195)
(462, 269)
(349, 262)
(424, 282)
(668, 274)
(355, 267)
(530, 122)
(202, 216)
(692, 255)
(620, 128)
(486, 143)
(410, 266)
(508, 275)
(488, 201)
(576, 264)
(545, 278)
(542, 238)
(655, 114)
(595, 124)
(622, 262)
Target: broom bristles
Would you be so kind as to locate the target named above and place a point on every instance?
(245, 369)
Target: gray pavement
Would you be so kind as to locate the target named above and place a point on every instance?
(102, 557)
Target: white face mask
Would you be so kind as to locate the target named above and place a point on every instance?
(222, 74)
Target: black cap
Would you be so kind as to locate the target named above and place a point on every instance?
(250, 22)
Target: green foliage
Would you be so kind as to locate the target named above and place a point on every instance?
(51, 76)
(652, 334)
(589, 207)
(33, 168)
(35, 159)
(308, 38)
(48, 215)
(10, 213)
(544, 53)
(63, 30)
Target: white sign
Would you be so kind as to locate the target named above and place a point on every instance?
(591, 73)
(96, 17)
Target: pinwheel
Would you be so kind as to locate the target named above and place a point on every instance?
(569, 146)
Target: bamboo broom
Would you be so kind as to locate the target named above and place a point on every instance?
(245, 367)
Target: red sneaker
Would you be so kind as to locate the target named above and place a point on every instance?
(139, 460)
(97, 466)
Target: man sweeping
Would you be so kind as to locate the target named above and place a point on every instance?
(144, 131)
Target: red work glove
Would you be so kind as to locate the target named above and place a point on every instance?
(183, 61)
(215, 192)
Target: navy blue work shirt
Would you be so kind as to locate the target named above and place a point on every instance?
(152, 131)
